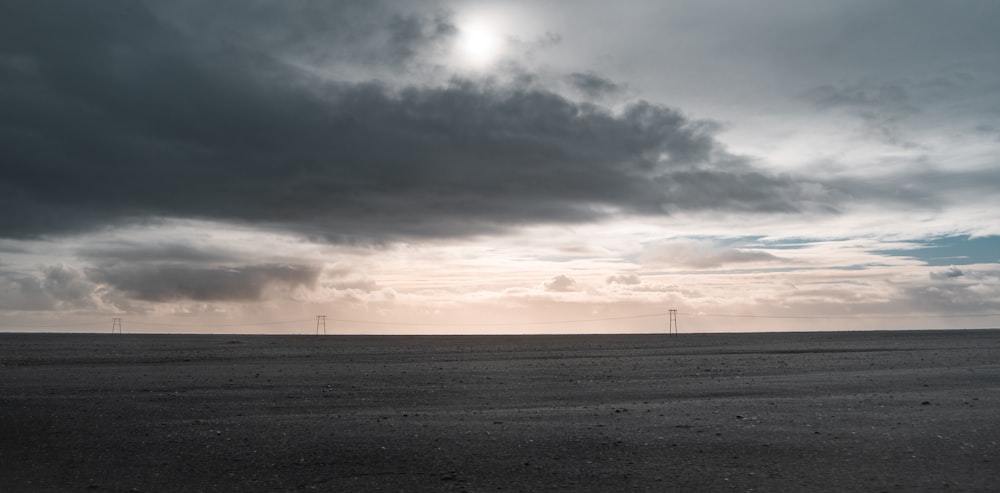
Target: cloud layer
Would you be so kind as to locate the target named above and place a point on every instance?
(121, 116)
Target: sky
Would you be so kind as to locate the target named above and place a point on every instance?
(499, 167)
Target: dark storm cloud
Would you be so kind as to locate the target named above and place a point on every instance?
(320, 32)
(166, 252)
(113, 112)
(171, 282)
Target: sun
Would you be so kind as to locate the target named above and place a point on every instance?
(478, 44)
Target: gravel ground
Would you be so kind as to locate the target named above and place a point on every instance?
(850, 411)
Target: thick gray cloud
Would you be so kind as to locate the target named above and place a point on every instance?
(858, 95)
(50, 287)
(335, 36)
(63, 287)
(23, 292)
(176, 252)
(593, 85)
(67, 284)
(9, 248)
(923, 188)
(115, 112)
(171, 282)
(881, 107)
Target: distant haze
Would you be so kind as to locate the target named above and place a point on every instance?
(453, 167)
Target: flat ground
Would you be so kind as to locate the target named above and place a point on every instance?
(862, 411)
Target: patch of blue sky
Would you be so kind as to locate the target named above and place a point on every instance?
(750, 241)
(951, 250)
(791, 243)
(839, 282)
(760, 242)
(734, 241)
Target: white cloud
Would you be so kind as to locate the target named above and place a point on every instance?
(704, 254)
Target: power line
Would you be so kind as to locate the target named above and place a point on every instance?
(56, 326)
(497, 324)
(321, 322)
(250, 324)
(855, 317)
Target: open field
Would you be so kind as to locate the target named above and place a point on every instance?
(859, 411)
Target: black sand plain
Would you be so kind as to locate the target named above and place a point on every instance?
(847, 411)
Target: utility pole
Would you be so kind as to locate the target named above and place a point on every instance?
(672, 328)
(320, 321)
(116, 325)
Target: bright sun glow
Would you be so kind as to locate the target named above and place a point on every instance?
(479, 44)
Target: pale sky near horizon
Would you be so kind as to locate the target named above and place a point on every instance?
(484, 167)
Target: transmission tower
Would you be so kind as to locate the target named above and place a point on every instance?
(320, 322)
(116, 325)
(672, 328)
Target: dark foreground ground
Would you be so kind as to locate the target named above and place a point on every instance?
(888, 411)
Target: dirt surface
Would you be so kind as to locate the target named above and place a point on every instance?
(861, 411)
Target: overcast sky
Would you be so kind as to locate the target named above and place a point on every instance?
(436, 166)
